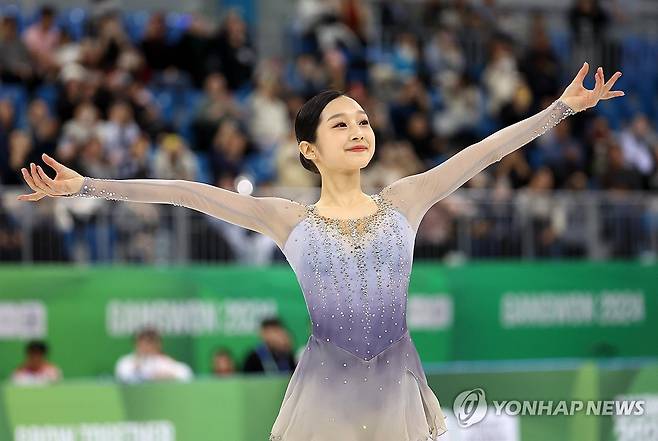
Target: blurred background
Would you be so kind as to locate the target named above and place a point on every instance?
(537, 280)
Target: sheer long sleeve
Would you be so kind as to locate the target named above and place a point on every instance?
(271, 216)
(414, 195)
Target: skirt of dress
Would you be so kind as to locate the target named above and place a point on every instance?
(335, 395)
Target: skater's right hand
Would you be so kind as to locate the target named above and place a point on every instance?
(66, 181)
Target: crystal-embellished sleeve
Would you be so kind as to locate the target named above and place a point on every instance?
(414, 195)
(271, 216)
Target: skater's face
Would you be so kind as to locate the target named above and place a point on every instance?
(343, 125)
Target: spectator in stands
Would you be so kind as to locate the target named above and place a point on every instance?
(236, 56)
(275, 353)
(15, 60)
(305, 76)
(561, 152)
(119, 132)
(619, 175)
(11, 236)
(443, 55)
(159, 54)
(149, 363)
(7, 125)
(223, 363)
(174, 160)
(42, 127)
(215, 105)
(638, 143)
(501, 76)
(412, 97)
(20, 151)
(589, 23)
(137, 164)
(230, 149)
(78, 131)
(540, 65)
(545, 216)
(193, 48)
(42, 39)
(36, 369)
(268, 114)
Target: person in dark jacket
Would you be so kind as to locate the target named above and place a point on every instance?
(274, 354)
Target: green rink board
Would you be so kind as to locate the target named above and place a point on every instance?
(243, 408)
(479, 311)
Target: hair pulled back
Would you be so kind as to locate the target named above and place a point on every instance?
(308, 119)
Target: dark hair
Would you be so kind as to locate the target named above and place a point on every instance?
(271, 321)
(223, 351)
(151, 334)
(47, 11)
(36, 347)
(307, 120)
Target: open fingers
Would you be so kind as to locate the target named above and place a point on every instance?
(51, 162)
(31, 197)
(37, 180)
(582, 73)
(612, 81)
(598, 87)
(45, 179)
(29, 180)
(612, 94)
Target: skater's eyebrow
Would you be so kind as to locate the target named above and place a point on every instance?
(342, 114)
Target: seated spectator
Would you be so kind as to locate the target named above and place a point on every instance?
(36, 369)
(223, 363)
(119, 132)
(274, 354)
(21, 151)
(231, 50)
(174, 159)
(216, 104)
(15, 61)
(637, 143)
(42, 39)
(149, 363)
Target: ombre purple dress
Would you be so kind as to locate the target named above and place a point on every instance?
(360, 377)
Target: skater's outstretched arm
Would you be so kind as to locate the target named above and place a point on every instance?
(271, 216)
(414, 195)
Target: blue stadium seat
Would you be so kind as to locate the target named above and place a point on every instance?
(560, 41)
(12, 10)
(48, 93)
(19, 99)
(73, 21)
(135, 24)
(177, 24)
(165, 100)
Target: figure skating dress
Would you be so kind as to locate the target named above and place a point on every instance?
(360, 377)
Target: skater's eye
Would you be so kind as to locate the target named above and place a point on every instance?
(342, 124)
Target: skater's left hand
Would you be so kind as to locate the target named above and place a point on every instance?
(579, 98)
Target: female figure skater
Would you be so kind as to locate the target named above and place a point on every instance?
(360, 378)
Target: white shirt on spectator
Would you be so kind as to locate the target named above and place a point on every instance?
(637, 153)
(132, 368)
(45, 375)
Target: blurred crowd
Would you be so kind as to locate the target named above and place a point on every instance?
(183, 97)
(149, 362)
